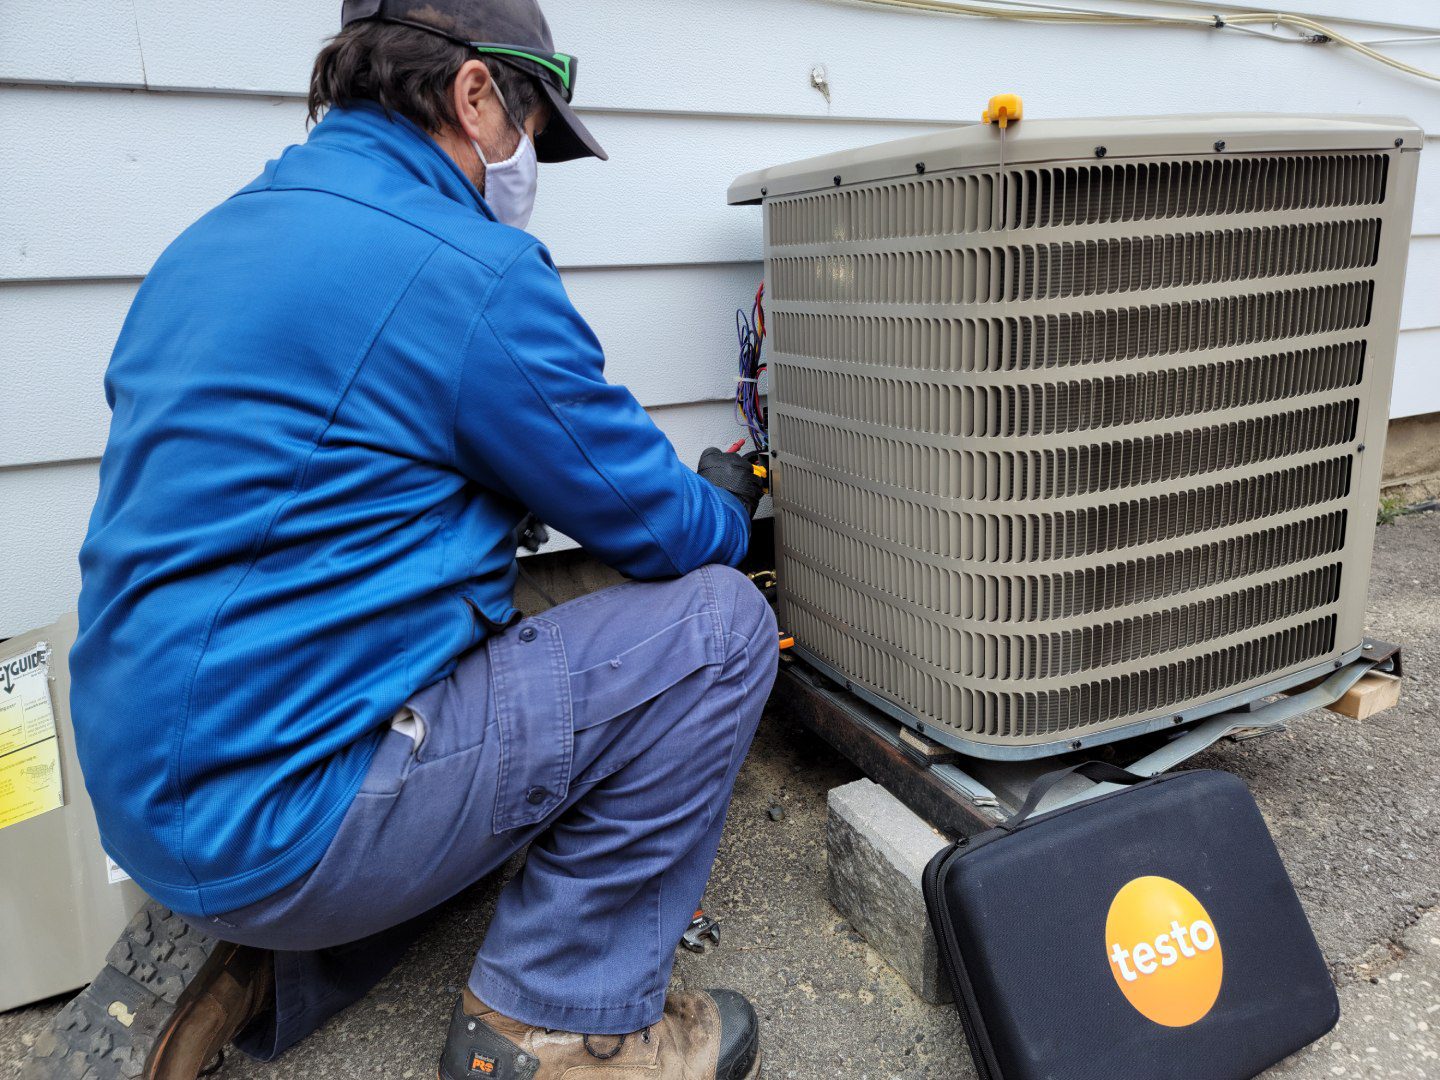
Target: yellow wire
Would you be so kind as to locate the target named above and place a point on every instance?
(1115, 18)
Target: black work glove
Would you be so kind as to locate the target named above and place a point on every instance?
(735, 474)
(531, 534)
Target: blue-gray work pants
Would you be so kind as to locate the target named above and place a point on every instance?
(608, 731)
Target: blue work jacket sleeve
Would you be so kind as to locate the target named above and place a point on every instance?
(536, 419)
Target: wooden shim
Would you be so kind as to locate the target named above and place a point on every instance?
(927, 750)
(1374, 693)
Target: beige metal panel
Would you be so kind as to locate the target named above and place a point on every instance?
(980, 146)
(59, 911)
(1071, 449)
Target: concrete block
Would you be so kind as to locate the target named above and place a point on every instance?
(877, 850)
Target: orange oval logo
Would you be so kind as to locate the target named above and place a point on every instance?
(1164, 951)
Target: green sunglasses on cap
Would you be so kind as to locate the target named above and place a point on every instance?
(525, 46)
(558, 69)
(561, 66)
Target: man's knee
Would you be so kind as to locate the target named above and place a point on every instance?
(744, 613)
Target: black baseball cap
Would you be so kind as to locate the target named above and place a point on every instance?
(513, 32)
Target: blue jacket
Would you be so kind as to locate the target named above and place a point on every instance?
(334, 398)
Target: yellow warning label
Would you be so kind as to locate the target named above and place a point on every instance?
(30, 782)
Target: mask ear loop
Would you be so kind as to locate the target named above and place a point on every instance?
(505, 108)
(513, 200)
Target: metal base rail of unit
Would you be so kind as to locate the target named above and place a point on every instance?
(961, 796)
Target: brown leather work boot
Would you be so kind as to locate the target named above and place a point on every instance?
(167, 1001)
(710, 1035)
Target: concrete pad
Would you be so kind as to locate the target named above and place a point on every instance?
(877, 849)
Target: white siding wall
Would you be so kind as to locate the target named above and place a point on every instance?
(123, 120)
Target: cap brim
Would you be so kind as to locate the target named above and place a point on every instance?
(565, 137)
(354, 10)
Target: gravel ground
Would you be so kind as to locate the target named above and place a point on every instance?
(1353, 809)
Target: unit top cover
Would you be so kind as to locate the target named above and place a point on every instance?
(1024, 142)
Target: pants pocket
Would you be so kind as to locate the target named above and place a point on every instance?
(390, 765)
(609, 699)
(644, 671)
(530, 684)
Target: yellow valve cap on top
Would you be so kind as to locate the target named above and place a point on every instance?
(1002, 109)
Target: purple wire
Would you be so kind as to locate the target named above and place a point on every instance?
(748, 406)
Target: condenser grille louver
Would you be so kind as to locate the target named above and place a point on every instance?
(1088, 268)
(1046, 474)
(1032, 537)
(1068, 450)
(1087, 195)
(1094, 337)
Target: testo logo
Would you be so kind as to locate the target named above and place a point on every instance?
(1164, 951)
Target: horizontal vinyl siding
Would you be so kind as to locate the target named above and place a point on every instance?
(1417, 373)
(124, 120)
(47, 508)
(667, 335)
(46, 511)
(754, 57)
(133, 168)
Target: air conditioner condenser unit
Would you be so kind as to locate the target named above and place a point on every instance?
(1078, 425)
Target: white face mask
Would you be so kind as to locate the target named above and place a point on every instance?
(510, 185)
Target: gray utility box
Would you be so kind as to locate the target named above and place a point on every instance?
(62, 904)
(1078, 425)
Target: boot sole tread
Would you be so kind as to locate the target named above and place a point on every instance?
(107, 1030)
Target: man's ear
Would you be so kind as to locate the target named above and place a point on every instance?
(472, 88)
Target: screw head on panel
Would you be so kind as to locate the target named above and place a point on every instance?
(1337, 664)
(920, 167)
(1399, 142)
(1360, 449)
(764, 191)
(1177, 720)
(1219, 145)
(837, 181)
(1101, 151)
(1075, 745)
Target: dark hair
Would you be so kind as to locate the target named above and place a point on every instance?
(409, 71)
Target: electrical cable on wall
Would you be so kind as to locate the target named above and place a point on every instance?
(750, 411)
(1020, 11)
